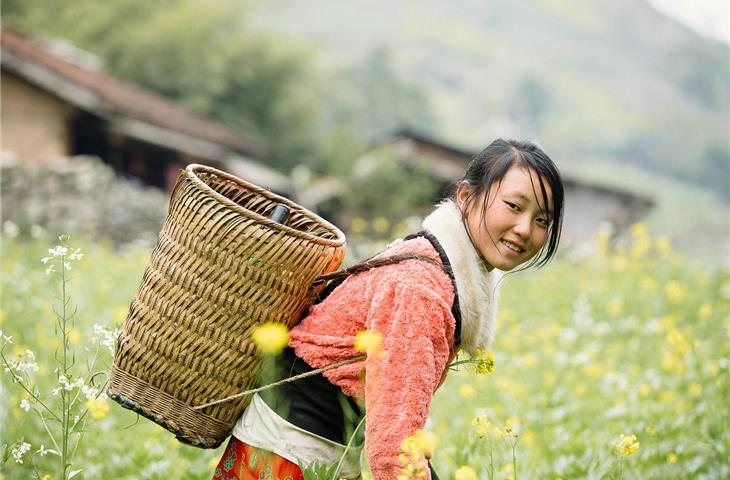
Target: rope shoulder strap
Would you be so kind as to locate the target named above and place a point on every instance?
(335, 279)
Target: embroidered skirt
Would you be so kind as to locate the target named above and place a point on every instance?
(244, 462)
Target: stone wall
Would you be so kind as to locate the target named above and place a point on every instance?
(79, 196)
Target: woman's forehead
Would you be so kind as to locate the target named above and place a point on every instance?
(524, 182)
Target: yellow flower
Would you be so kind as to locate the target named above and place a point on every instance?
(695, 389)
(667, 321)
(46, 477)
(648, 283)
(485, 362)
(640, 241)
(414, 449)
(550, 378)
(663, 245)
(616, 307)
(358, 225)
(74, 337)
(2, 316)
(271, 337)
(603, 240)
(644, 390)
(671, 364)
(678, 341)
(530, 360)
(213, 462)
(368, 341)
(419, 442)
(650, 430)
(482, 425)
(672, 458)
(674, 291)
(120, 313)
(467, 391)
(639, 230)
(529, 437)
(381, 225)
(704, 311)
(626, 445)
(667, 396)
(512, 424)
(465, 473)
(98, 408)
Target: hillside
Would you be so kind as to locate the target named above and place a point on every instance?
(615, 80)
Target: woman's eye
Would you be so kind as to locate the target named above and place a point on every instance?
(543, 222)
(513, 206)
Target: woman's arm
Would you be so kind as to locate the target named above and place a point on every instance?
(417, 328)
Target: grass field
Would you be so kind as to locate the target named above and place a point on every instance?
(632, 342)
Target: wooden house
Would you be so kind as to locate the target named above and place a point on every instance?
(59, 103)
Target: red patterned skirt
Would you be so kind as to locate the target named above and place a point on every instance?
(244, 462)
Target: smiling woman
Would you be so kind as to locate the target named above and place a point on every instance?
(506, 212)
(521, 198)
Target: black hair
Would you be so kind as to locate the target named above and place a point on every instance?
(491, 165)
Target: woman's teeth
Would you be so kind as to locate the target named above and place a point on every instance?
(512, 246)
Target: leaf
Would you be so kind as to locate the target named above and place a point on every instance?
(73, 473)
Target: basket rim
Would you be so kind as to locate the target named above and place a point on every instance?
(191, 172)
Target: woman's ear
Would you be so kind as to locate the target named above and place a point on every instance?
(463, 191)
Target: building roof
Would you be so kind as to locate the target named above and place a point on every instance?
(453, 160)
(130, 109)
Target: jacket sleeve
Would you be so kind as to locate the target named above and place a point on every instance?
(416, 325)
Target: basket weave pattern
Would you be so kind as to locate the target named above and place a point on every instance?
(219, 269)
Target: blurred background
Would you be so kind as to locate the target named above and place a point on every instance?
(365, 111)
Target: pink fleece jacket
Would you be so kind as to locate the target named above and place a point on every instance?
(409, 303)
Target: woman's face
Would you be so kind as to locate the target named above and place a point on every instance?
(514, 227)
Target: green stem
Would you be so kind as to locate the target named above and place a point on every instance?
(514, 459)
(50, 435)
(65, 404)
(347, 447)
(491, 461)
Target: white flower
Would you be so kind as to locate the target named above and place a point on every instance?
(10, 229)
(44, 260)
(106, 338)
(76, 255)
(55, 391)
(42, 451)
(36, 231)
(59, 251)
(29, 366)
(7, 339)
(67, 265)
(90, 392)
(18, 452)
(50, 270)
(25, 405)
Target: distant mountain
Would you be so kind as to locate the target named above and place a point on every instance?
(614, 80)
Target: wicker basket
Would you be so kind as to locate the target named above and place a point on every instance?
(219, 269)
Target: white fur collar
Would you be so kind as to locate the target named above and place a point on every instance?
(477, 287)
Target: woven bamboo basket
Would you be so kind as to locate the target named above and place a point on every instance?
(219, 269)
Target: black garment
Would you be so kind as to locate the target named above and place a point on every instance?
(313, 403)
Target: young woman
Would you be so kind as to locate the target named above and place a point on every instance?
(506, 212)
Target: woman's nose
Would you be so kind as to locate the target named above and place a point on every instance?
(523, 226)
